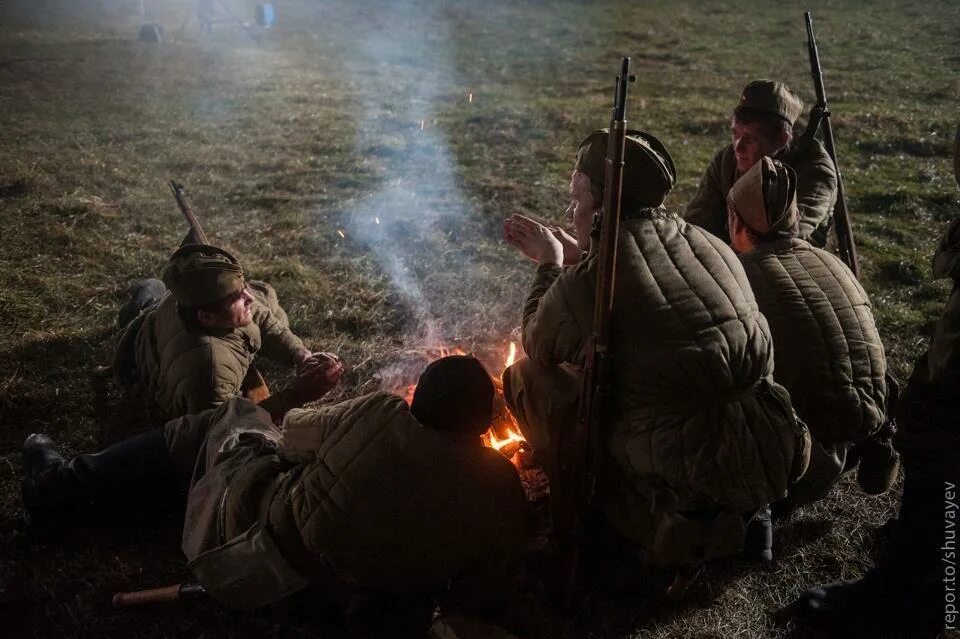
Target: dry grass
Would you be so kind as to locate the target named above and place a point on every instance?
(316, 129)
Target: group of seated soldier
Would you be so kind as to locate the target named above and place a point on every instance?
(747, 377)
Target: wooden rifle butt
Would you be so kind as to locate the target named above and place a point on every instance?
(166, 594)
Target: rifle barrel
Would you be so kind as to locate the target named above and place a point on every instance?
(187, 210)
(820, 118)
(815, 68)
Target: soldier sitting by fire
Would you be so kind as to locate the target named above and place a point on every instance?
(379, 507)
(193, 349)
(828, 352)
(698, 437)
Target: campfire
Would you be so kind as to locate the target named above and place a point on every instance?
(504, 434)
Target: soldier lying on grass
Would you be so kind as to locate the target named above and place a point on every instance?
(193, 349)
(698, 437)
(763, 125)
(827, 350)
(378, 506)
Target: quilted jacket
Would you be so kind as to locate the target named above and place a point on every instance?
(695, 421)
(358, 491)
(827, 350)
(186, 370)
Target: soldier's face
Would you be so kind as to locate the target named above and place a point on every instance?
(750, 143)
(234, 311)
(582, 206)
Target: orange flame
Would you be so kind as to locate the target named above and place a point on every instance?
(497, 443)
(509, 439)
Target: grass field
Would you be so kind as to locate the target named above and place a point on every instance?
(361, 157)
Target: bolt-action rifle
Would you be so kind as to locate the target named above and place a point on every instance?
(820, 118)
(579, 451)
(196, 234)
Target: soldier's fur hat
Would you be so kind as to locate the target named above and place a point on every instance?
(766, 97)
(648, 170)
(200, 274)
(765, 197)
(454, 394)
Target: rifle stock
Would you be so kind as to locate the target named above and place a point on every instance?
(166, 594)
(196, 231)
(580, 454)
(820, 118)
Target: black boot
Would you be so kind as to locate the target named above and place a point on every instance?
(39, 455)
(759, 543)
(40, 461)
(879, 604)
(143, 294)
(902, 597)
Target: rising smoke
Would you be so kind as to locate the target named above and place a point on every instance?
(397, 122)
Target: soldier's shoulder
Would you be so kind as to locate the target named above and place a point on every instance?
(802, 153)
(830, 259)
(500, 477)
(377, 406)
(722, 159)
(726, 151)
(262, 292)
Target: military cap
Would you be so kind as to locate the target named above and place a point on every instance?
(648, 170)
(200, 274)
(766, 97)
(455, 394)
(765, 197)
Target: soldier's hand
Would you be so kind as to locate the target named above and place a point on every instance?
(533, 239)
(316, 377)
(309, 358)
(571, 250)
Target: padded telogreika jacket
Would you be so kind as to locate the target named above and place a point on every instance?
(187, 370)
(697, 433)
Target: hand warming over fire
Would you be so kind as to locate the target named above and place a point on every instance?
(571, 251)
(533, 239)
(307, 358)
(316, 376)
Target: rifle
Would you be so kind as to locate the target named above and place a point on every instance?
(580, 456)
(196, 231)
(820, 117)
(166, 594)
